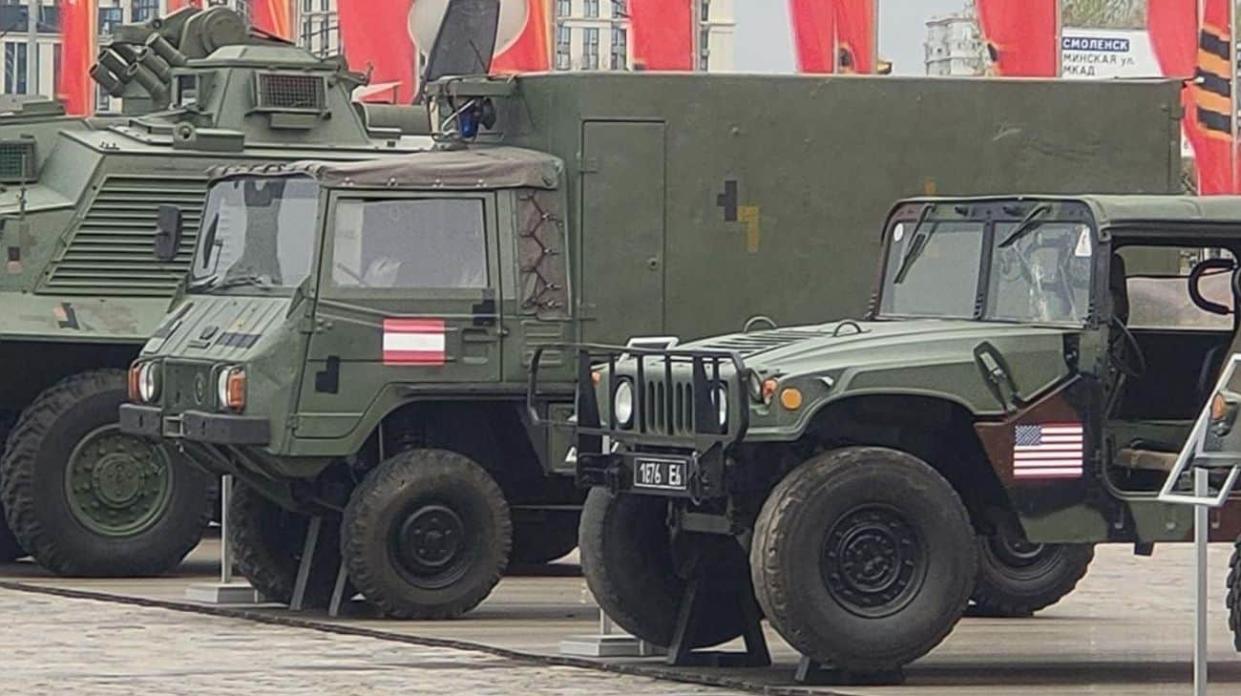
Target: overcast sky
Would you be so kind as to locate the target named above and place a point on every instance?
(765, 44)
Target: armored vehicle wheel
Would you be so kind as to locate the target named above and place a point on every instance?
(10, 550)
(268, 541)
(631, 563)
(86, 499)
(1017, 578)
(536, 543)
(426, 535)
(863, 558)
(1234, 595)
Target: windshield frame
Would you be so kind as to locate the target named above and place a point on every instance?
(993, 214)
(197, 284)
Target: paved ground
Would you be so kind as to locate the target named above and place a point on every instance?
(1126, 630)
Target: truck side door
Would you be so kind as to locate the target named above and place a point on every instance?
(408, 296)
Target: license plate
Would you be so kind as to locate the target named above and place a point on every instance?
(660, 474)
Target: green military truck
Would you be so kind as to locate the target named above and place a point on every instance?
(1026, 374)
(382, 388)
(81, 291)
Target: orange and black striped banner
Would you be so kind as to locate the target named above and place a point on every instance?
(1213, 88)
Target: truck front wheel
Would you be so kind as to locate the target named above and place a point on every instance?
(10, 550)
(1234, 595)
(426, 535)
(631, 566)
(1017, 578)
(86, 499)
(863, 558)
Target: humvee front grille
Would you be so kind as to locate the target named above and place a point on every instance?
(666, 416)
(112, 251)
(17, 161)
(298, 92)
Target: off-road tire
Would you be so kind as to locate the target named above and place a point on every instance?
(839, 503)
(1234, 595)
(267, 542)
(630, 565)
(1020, 587)
(10, 550)
(420, 484)
(550, 539)
(36, 505)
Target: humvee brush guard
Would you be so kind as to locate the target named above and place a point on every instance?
(381, 388)
(1027, 373)
(81, 290)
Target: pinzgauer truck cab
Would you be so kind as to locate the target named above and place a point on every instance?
(382, 390)
(81, 290)
(1027, 373)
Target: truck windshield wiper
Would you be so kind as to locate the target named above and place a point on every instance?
(916, 246)
(218, 283)
(1028, 224)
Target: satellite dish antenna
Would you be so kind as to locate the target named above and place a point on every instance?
(426, 17)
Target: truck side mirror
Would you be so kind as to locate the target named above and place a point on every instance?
(168, 230)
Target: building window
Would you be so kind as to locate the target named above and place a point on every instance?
(704, 49)
(56, 53)
(592, 8)
(14, 17)
(704, 11)
(620, 9)
(590, 49)
(103, 101)
(145, 9)
(620, 48)
(109, 19)
(564, 38)
(564, 8)
(14, 67)
(49, 19)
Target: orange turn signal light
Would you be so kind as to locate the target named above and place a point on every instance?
(1219, 407)
(791, 398)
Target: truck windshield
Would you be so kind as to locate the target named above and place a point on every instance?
(1037, 273)
(257, 232)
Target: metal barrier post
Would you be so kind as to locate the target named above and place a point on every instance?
(226, 591)
(1201, 538)
(226, 549)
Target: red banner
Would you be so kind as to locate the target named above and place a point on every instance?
(275, 17)
(1212, 108)
(814, 33)
(530, 52)
(1021, 36)
(77, 53)
(663, 34)
(855, 36)
(375, 38)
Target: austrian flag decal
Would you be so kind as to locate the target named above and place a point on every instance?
(414, 342)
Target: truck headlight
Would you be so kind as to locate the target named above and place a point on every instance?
(144, 381)
(622, 403)
(230, 387)
(721, 404)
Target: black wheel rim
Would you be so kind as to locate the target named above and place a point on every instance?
(1016, 552)
(431, 546)
(873, 561)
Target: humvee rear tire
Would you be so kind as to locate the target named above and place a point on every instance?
(267, 542)
(630, 566)
(1017, 578)
(537, 543)
(426, 535)
(88, 500)
(863, 558)
(1234, 595)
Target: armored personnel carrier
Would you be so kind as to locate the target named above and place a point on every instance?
(82, 288)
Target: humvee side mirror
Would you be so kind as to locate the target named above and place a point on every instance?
(168, 229)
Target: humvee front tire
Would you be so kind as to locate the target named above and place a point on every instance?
(1017, 578)
(863, 558)
(86, 499)
(426, 535)
(630, 566)
(268, 541)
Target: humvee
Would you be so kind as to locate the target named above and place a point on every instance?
(382, 390)
(82, 291)
(1025, 376)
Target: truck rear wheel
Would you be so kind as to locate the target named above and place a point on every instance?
(630, 563)
(1017, 578)
(545, 540)
(863, 558)
(86, 499)
(1234, 595)
(426, 535)
(267, 542)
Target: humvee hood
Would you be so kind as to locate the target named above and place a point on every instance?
(217, 327)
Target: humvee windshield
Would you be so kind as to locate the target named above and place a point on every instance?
(257, 232)
(973, 270)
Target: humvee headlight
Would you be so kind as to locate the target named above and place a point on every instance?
(622, 403)
(230, 388)
(754, 385)
(148, 382)
(721, 404)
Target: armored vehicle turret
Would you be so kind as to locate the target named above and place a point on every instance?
(82, 287)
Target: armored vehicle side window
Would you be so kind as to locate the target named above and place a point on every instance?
(935, 277)
(410, 243)
(1158, 283)
(1043, 275)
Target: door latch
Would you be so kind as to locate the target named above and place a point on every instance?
(998, 377)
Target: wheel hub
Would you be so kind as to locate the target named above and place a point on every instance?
(1017, 552)
(117, 485)
(872, 561)
(431, 543)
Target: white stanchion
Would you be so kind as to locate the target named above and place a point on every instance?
(226, 591)
(1202, 534)
(608, 642)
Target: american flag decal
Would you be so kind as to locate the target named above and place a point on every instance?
(414, 342)
(1048, 451)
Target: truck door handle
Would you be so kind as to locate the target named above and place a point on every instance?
(998, 377)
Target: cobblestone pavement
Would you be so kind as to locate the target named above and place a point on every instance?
(54, 645)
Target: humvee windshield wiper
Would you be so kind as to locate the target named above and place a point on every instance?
(916, 246)
(1028, 224)
(217, 283)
